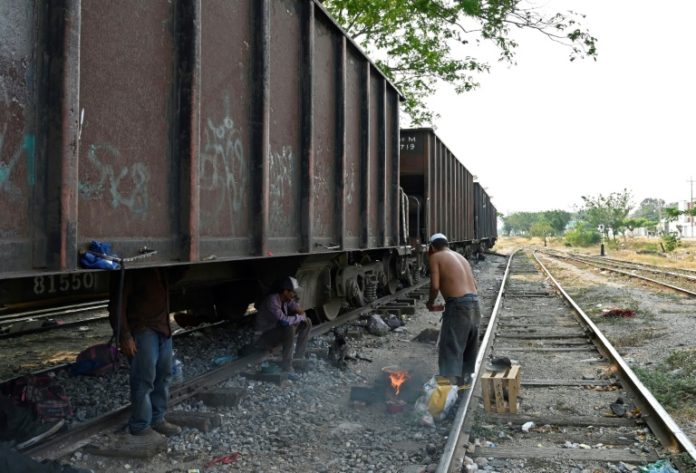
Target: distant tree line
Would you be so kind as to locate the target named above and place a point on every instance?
(600, 216)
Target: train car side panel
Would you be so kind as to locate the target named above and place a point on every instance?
(326, 154)
(18, 135)
(284, 184)
(430, 168)
(126, 176)
(353, 180)
(225, 151)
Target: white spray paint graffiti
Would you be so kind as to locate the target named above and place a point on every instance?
(282, 198)
(320, 188)
(222, 167)
(135, 178)
(350, 184)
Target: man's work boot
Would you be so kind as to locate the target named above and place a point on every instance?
(167, 429)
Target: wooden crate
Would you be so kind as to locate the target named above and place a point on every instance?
(496, 385)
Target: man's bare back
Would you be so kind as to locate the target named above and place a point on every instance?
(450, 274)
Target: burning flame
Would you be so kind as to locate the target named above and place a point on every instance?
(398, 378)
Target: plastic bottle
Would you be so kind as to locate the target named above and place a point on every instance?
(177, 371)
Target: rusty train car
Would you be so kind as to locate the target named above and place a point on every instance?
(242, 140)
(442, 195)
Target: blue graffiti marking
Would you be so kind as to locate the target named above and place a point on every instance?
(137, 175)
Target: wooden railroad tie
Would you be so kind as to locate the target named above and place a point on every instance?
(500, 390)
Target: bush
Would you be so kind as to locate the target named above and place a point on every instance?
(670, 241)
(582, 237)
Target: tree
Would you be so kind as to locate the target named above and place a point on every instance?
(518, 223)
(608, 212)
(557, 219)
(417, 43)
(650, 208)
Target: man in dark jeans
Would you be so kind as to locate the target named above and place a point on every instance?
(279, 318)
(451, 275)
(146, 339)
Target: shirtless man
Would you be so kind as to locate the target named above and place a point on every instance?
(450, 274)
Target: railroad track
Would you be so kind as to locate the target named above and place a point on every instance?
(67, 442)
(678, 279)
(581, 405)
(25, 323)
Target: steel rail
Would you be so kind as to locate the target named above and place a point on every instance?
(655, 266)
(637, 267)
(47, 328)
(660, 422)
(52, 312)
(626, 273)
(445, 464)
(65, 443)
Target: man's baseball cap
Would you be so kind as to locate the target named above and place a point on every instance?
(437, 236)
(290, 284)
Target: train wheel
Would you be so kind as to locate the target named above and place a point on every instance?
(330, 310)
(392, 285)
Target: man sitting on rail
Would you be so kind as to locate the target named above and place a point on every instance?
(279, 318)
(451, 274)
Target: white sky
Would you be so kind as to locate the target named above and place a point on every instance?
(541, 134)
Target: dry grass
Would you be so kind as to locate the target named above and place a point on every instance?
(640, 250)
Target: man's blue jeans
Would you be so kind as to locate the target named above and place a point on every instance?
(150, 375)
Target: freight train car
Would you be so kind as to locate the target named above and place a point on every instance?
(442, 194)
(240, 140)
(245, 139)
(485, 218)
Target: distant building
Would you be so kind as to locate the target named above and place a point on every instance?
(684, 226)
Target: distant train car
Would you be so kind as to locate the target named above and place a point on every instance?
(485, 218)
(442, 194)
(245, 139)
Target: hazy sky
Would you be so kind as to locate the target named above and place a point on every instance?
(541, 134)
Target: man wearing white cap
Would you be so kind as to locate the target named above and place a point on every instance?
(279, 317)
(451, 275)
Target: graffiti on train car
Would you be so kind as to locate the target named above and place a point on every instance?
(126, 185)
(223, 168)
(7, 167)
(282, 175)
(14, 151)
(322, 194)
(350, 178)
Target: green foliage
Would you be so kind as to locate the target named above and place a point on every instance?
(672, 213)
(674, 382)
(558, 219)
(649, 209)
(608, 212)
(541, 229)
(582, 235)
(670, 242)
(547, 223)
(419, 43)
(684, 360)
(633, 223)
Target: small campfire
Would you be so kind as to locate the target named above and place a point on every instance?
(396, 388)
(396, 377)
